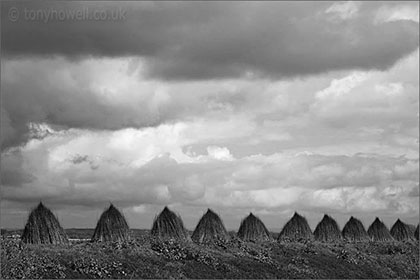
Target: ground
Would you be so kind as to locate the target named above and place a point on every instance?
(143, 257)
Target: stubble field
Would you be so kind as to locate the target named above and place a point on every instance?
(143, 257)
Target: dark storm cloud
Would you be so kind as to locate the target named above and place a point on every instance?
(32, 93)
(98, 94)
(11, 171)
(218, 40)
(93, 95)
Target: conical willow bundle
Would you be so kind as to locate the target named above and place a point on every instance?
(111, 226)
(401, 231)
(327, 230)
(43, 227)
(169, 225)
(210, 228)
(253, 229)
(355, 231)
(379, 232)
(296, 229)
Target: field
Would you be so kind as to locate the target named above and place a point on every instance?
(143, 257)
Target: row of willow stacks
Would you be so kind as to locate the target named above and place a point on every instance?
(327, 230)
(43, 227)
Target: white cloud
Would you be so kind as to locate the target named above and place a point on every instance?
(60, 168)
(140, 209)
(388, 13)
(344, 142)
(344, 10)
(372, 100)
(219, 153)
(339, 87)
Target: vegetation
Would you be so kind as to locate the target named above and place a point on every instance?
(146, 257)
(43, 250)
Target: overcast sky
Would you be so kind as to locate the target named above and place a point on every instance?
(269, 107)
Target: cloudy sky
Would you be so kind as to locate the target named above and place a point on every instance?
(269, 107)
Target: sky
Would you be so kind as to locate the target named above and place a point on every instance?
(263, 107)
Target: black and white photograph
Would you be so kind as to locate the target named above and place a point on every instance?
(209, 139)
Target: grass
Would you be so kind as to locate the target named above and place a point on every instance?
(143, 257)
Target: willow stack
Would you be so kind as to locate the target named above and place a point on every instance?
(111, 226)
(296, 229)
(43, 227)
(253, 229)
(168, 225)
